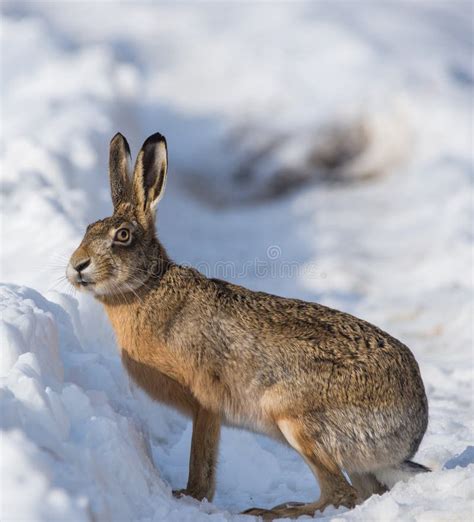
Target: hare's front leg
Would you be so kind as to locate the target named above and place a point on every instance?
(203, 458)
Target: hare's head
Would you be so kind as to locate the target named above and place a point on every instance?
(120, 253)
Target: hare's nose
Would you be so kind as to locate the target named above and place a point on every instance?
(82, 265)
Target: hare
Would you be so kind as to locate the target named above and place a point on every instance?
(340, 391)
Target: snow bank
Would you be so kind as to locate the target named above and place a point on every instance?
(72, 446)
(225, 83)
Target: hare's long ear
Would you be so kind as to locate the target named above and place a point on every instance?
(119, 170)
(149, 177)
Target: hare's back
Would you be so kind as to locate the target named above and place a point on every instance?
(298, 334)
(304, 337)
(277, 318)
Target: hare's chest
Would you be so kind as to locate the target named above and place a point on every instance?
(141, 341)
(130, 330)
(126, 329)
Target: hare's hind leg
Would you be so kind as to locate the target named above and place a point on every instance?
(335, 490)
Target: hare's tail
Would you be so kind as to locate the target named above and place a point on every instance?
(403, 471)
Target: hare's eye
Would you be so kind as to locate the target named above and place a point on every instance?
(122, 235)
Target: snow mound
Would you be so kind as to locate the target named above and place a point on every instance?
(70, 450)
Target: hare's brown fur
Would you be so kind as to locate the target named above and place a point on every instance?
(340, 391)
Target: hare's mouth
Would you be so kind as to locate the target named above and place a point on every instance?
(82, 282)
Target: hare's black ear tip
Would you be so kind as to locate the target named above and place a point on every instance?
(154, 139)
(120, 138)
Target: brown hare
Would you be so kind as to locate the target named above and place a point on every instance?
(340, 391)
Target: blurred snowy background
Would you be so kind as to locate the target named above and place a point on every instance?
(332, 136)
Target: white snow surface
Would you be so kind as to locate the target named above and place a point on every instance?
(79, 440)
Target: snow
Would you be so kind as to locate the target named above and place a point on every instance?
(222, 82)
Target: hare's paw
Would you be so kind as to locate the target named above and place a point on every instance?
(297, 509)
(266, 514)
(191, 492)
(275, 512)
